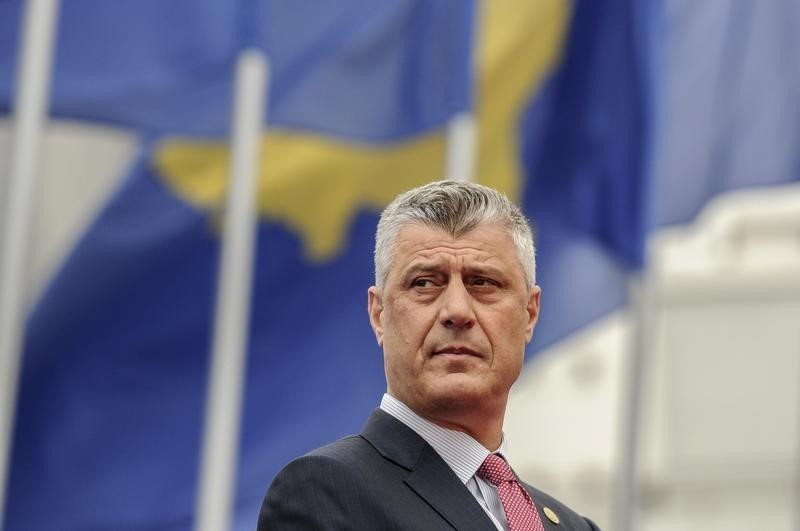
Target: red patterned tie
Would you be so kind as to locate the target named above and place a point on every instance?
(521, 513)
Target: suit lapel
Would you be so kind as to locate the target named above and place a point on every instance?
(438, 485)
(429, 476)
(548, 525)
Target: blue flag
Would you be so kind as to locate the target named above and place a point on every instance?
(582, 112)
(116, 354)
(726, 106)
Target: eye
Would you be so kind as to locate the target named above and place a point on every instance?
(482, 281)
(422, 282)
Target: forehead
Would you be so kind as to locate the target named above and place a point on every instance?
(488, 243)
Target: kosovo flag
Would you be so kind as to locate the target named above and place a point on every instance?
(116, 353)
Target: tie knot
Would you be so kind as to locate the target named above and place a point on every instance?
(496, 471)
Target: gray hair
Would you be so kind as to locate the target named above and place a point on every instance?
(456, 208)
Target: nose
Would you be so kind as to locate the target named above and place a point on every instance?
(456, 306)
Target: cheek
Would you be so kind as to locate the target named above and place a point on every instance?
(409, 324)
(506, 333)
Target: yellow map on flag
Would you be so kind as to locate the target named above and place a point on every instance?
(315, 184)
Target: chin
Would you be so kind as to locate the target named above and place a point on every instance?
(459, 395)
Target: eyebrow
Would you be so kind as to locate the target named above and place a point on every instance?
(423, 267)
(428, 267)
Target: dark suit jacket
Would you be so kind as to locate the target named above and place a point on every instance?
(386, 478)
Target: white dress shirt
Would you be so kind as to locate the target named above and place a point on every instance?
(463, 454)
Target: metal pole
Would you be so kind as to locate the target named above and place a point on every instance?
(627, 494)
(460, 156)
(797, 468)
(223, 407)
(29, 115)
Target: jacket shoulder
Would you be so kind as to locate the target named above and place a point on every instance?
(315, 491)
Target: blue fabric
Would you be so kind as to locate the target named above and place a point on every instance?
(632, 131)
(585, 139)
(115, 361)
(727, 111)
(363, 70)
(372, 71)
(585, 148)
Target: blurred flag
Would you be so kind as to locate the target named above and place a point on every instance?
(726, 107)
(579, 111)
(656, 107)
(115, 364)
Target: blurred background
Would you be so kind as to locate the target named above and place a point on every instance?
(655, 144)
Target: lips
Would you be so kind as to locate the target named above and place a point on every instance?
(457, 350)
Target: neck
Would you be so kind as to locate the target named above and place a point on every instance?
(482, 421)
(485, 424)
(488, 433)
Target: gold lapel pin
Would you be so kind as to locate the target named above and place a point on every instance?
(553, 517)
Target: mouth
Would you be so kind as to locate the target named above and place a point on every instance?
(456, 350)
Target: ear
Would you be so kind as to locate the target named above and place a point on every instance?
(375, 309)
(533, 312)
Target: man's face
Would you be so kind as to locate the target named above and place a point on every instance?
(453, 319)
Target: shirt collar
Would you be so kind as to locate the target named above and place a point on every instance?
(461, 452)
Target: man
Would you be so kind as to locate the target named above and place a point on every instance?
(454, 304)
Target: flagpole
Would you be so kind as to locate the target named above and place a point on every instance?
(460, 150)
(219, 458)
(797, 474)
(29, 116)
(627, 492)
